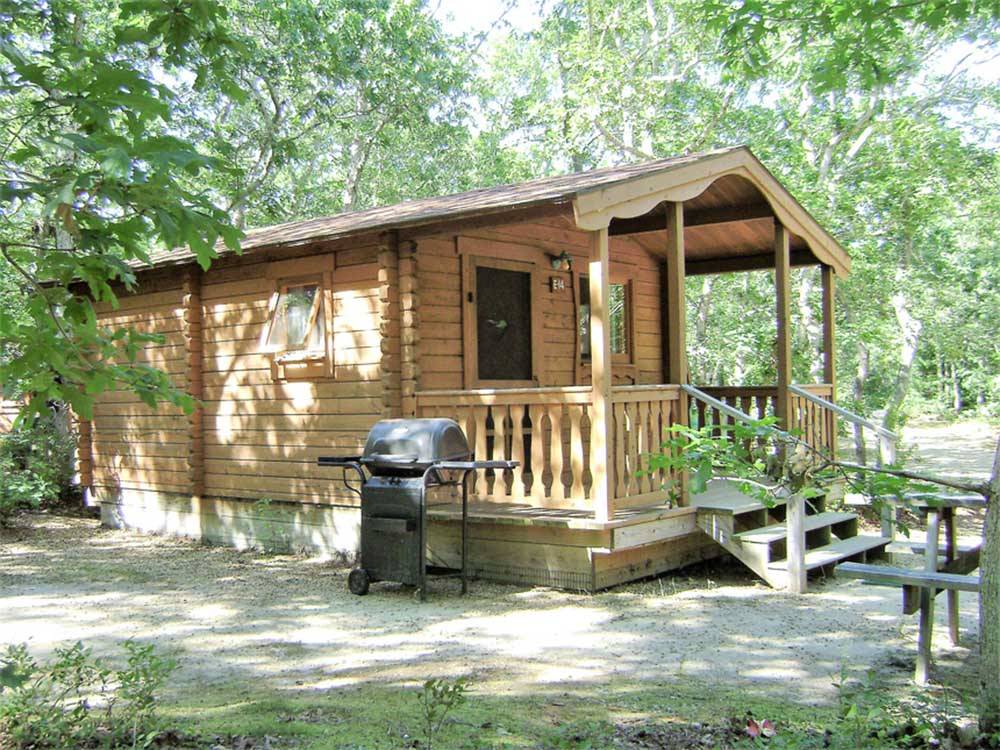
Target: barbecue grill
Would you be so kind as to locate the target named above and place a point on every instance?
(402, 459)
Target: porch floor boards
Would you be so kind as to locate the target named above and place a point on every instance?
(569, 518)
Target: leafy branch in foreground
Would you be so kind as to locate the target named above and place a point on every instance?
(93, 180)
(768, 463)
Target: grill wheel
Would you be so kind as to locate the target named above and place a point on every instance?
(358, 581)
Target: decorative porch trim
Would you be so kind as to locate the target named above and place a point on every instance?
(627, 199)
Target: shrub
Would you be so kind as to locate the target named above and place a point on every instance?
(77, 700)
(36, 464)
(437, 699)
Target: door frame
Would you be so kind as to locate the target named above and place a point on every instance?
(470, 330)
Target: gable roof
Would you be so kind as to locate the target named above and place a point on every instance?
(594, 191)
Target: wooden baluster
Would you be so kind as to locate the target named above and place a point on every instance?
(618, 449)
(481, 415)
(558, 493)
(536, 489)
(500, 487)
(644, 448)
(468, 422)
(517, 452)
(668, 414)
(807, 429)
(628, 440)
(576, 453)
(746, 406)
(632, 482)
(701, 414)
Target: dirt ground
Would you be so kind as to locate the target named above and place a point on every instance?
(288, 622)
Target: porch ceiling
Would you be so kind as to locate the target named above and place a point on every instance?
(729, 227)
(730, 202)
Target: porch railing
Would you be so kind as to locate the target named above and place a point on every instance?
(642, 413)
(548, 431)
(809, 418)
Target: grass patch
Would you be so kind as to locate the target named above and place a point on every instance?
(376, 717)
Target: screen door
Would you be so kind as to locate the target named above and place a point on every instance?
(503, 324)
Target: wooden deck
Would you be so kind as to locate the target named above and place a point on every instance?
(565, 547)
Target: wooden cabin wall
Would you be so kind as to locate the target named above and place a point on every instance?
(262, 434)
(134, 447)
(440, 313)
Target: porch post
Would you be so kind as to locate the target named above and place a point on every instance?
(782, 286)
(601, 416)
(795, 534)
(674, 309)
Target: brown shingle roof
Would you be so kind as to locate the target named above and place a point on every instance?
(430, 210)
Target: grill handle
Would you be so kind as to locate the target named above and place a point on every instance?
(345, 463)
(391, 458)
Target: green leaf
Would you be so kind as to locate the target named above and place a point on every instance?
(116, 163)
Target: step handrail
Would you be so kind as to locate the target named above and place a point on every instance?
(728, 410)
(887, 439)
(840, 411)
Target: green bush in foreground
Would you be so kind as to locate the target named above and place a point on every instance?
(77, 700)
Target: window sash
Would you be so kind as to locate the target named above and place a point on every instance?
(619, 319)
(306, 323)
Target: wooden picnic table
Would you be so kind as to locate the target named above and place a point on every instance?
(921, 587)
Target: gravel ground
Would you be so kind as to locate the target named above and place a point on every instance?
(288, 623)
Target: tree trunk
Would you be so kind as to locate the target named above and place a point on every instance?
(957, 402)
(860, 378)
(989, 606)
(910, 329)
(811, 330)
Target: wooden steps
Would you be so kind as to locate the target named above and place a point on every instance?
(831, 554)
(755, 533)
(776, 532)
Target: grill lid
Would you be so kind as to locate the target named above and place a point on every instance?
(413, 444)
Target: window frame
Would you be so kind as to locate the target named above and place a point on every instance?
(618, 278)
(300, 361)
(624, 363)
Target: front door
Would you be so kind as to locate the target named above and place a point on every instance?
(503, 324)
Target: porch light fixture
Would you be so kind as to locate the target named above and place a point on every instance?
(561, 262)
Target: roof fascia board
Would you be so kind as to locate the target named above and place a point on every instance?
(594, 209)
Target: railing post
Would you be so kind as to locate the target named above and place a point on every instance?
(829, 350)
(887, 457)
(795, 544)
(601, 435)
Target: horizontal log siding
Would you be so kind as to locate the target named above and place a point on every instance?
(134, 447)
(440, 283)
(262, 436)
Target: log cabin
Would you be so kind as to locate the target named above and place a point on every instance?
(547, 318)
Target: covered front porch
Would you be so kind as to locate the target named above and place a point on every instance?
(585, 500)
